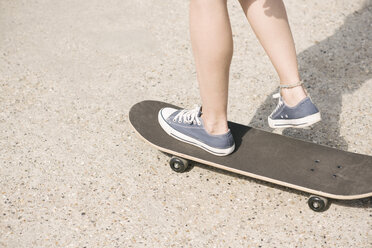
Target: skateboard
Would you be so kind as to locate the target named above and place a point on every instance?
(323, 172)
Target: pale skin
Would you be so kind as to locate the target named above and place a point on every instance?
(212, 45)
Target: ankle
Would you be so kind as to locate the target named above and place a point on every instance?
(292, 96)
(215, 126)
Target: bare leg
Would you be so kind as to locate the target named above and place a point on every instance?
(269, 21)
(212, 46)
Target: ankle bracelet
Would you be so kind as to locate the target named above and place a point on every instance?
(290, 85)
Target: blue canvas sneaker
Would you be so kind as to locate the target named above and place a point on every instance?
(304, 114)
(187, 126)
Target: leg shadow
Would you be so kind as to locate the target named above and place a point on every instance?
(330, 68)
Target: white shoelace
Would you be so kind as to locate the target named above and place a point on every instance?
(280, 103)
(188, 116)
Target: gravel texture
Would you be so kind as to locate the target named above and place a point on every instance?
(74, 174)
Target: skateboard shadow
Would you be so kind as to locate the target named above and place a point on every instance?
(359, 203)
(331, 68)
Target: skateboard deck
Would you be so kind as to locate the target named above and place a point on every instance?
(305, 166)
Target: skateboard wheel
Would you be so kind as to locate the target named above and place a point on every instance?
(178, 164)
(317, 203)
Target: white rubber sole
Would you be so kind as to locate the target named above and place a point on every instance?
(180, 136)
(296, 123)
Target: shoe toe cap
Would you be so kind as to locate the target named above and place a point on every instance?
(166, 112)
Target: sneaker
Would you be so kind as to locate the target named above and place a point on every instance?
(304, 114)
(187, 126)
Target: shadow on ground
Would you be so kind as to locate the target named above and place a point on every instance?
(330, 68)
(359, 203)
